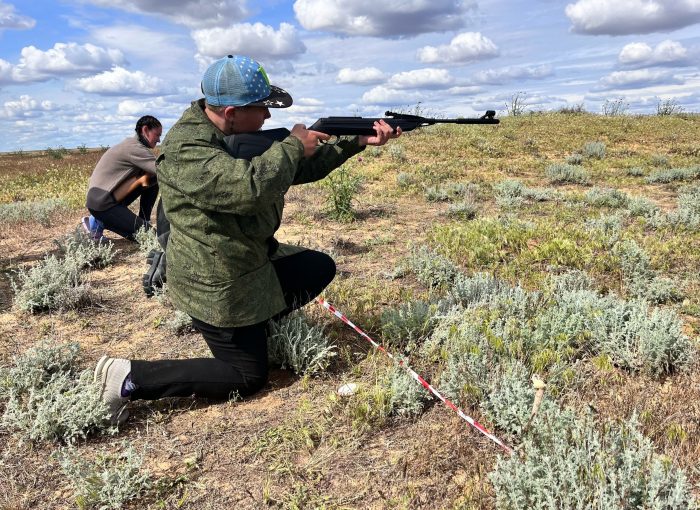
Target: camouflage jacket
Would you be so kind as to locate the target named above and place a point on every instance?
(223, 214)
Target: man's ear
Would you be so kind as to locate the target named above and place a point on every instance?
(229, 113)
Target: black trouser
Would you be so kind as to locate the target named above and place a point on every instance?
(239, 365)
(121, 220)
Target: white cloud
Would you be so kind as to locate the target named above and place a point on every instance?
(62, 60)
(666, 52)
(5, 71)
(119, 81)
(257, 40)
(191, 13)
(25, 107)
(135, 40)
(385, 18)
(421, 78)
(387, 96)
(465, 47)
(639, 78)
(364, 76)
(508, 74)
(623, 17)
(134, 108)
(10, 19)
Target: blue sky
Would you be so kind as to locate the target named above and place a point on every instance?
(76, 72)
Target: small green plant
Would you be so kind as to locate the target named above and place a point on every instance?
(660, 160)
(46, 399)
(594, 150)
(397, 152)
(673, 174)
(147, 241)
(431, 269)
(82, 148)
(635, 171)
(179, 322)
(408, 397)
(405, 181)
(52, 284)
(107, 480)
(85, 252)
(574, 159)
(568, 460)
(561, 173)
(606, 197)
(642, 206)
(294, 343)
(342, 188)
(464, 210)
(408, 324)
(39, 211)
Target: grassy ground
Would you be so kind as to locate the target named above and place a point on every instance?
(297, 444)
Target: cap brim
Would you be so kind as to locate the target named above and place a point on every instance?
(278, 98)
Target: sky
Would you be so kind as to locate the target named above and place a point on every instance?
(81, 72)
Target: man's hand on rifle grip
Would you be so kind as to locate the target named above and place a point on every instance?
(310, 139)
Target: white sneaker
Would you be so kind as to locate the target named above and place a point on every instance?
(110, 373)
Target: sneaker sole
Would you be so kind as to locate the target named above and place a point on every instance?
(100, 375)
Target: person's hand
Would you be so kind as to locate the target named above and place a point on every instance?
(308, 138)
(384, 133)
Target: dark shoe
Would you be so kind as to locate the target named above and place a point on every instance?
(154, 278)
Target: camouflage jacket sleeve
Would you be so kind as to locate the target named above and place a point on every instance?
(226, 184)
(327, 158)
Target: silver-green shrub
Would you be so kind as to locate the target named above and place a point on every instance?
(607, 227)
(52, 284)
(294, 343)
(640, 280)
(179, 322)
(107, 480)
(465, 210)
(575, 159)
(566, 462)
(85, 252)
(595, 150)
(606, 197)
(561, 173)
(46, 400)
(509, 193)
(408, 397)
(432, 269)
(687, 214)
(450, 192)
(640, 340)
(147, 240)
(39, 211)
(672, 174)
(635, 171)
(408, 324)
(642, 206)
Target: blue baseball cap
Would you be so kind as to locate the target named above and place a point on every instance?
(236, 80)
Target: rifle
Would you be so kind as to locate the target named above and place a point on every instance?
(339, 126)
(249, 145)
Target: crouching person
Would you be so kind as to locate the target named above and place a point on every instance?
(225, 268)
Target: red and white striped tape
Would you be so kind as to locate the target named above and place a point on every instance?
(417, 377)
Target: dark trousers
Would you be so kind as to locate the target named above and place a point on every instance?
(239, 366)
(121, 220)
